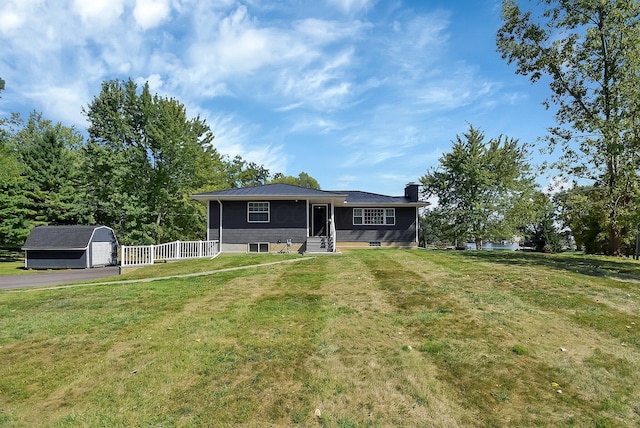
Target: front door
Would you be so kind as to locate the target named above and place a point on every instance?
(320, 220)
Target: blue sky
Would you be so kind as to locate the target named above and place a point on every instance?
(360, 94)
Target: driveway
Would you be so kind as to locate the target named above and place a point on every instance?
(41, 279)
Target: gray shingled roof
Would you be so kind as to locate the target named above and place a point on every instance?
(268, 190)
(358, 197)
(280, 190)
(59, 238)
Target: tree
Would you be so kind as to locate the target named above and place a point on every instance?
(240, 173)
(303, 180)
(478, 185)
(49, 156)
(46, 190)
(143, 159)
(588, 51)
(14, 226)
(9, 165)
(582, 210)
(541, 230)
(434, 228)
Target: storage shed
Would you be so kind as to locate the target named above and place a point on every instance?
(70, 247)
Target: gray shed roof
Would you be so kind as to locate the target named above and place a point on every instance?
(60, 237)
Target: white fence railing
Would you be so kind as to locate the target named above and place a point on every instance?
(140, 255)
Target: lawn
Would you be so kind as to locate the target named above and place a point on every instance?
(368, 338)
(12, 263)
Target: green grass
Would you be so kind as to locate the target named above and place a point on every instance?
(12, 263)
(13, 268)
(369, 338)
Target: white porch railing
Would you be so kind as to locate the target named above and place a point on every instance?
(140, 255)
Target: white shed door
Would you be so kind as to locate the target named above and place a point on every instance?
(101, 254)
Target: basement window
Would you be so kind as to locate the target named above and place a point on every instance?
(258, 247)
(374, 244)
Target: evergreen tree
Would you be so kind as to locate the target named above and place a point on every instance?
(51, 181)
(46, 190)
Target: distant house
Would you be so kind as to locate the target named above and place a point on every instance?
(283, 217)
(70, 247)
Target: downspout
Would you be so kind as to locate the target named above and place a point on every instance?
(208, 219)
(418, 227)
(334, 238)
(220, 233)
(307, 201)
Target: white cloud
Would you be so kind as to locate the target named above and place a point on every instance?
(460, 88)
(151, 13)
(316, 125)
(10, 20)
(233, 137)
(16, 14)
(98, 12)
(322, 87)
(234, 48)
(155, 82)
(320, 32)
(350, 6)
(64, 103)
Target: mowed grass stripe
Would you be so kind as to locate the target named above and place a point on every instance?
(531, 334)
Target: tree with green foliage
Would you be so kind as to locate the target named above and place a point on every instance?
(10, 168)
(143, 159)
(9, 164)
(588, 52)
(49, 155)
(303, 180)
(541, 230)
(14, 213)
(240, 173)
(581, 209)
(435, 228)
(478, 185)
(46, 191)
(14, 226)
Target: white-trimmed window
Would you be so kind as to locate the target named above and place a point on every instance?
(258, 212)
(380, 216)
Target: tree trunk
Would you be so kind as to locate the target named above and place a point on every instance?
(615, 240)
(478, 243)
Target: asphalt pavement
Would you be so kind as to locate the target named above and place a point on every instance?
(48, 278)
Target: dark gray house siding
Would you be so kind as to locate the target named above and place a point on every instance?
(214, 221)
(304, 217)
(44, 259)
(403, 231)
(288, 220)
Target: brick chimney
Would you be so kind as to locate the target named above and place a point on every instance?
(411, 192)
